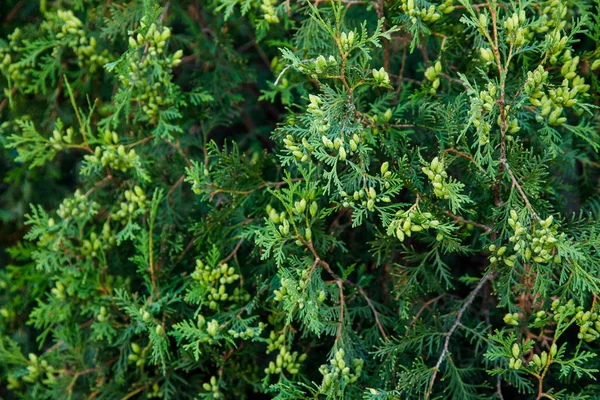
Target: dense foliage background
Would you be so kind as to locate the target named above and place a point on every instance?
(389, 199)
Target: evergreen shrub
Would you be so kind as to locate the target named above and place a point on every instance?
(308, 199)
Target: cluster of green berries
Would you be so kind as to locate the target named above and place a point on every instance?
(552, 16)
(275, 342)
(412, 220)
(572, 80)
(481, 105)
(588, 321)
(432, 74)
(213, 281)
(114, 156)
(102, 315)
(145, 314)
(314, 107)
(72, 33)
(212, 329)
(13, 70)
(569, 67)
(280, 220)
(552, 103)
(512, 124)
(488, 97)
(37, 369)
(301, 151)
(589, 325)
(515, 362)
(300, 209)
(59, 291)
(285, 360)
(268, 8)
(283, 291)
(446, 7)
(366, 197)
(498, 255)
(558, 42)
(381, 77)
(439, 177)
(486, 54)
(213, 387)
(539, 362)
(564, 311)
(248, 333)
(305, 208)
(429, 14)
(339, 145)
(155, 393)
(200, 182)
(95, 243)
(137, 356)
(347, 40)
(534, 85)
(540, 244)
(379, 118)
(13, 383)
(7, 314)
(512, 319)
(301, 206)
(274, 215)
(291, 288)
(153, 44)
(59, 139)
(517, 34)
(384, 117)
(48, 238)
(135, 204)
(322, 64)
(77, 206)
(337, 374)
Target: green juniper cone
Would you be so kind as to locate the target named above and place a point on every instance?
(269, 199)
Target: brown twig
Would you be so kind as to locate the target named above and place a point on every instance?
(375, 312)
(401, 73)
(276, 185)
(176, 184)
(341, 323)
(520, 189)
(177, 146)
(340, 282)
(461, 311)
(140, 142)
(151, 262)
(499, 388)
(14, 11)
(464, 155)
(136, 391)
(234, 252)
(459, 219)
(98, 184)
(379, 9)
(423, 308)
(76, 375)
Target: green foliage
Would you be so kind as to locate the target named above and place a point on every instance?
(240, 199)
